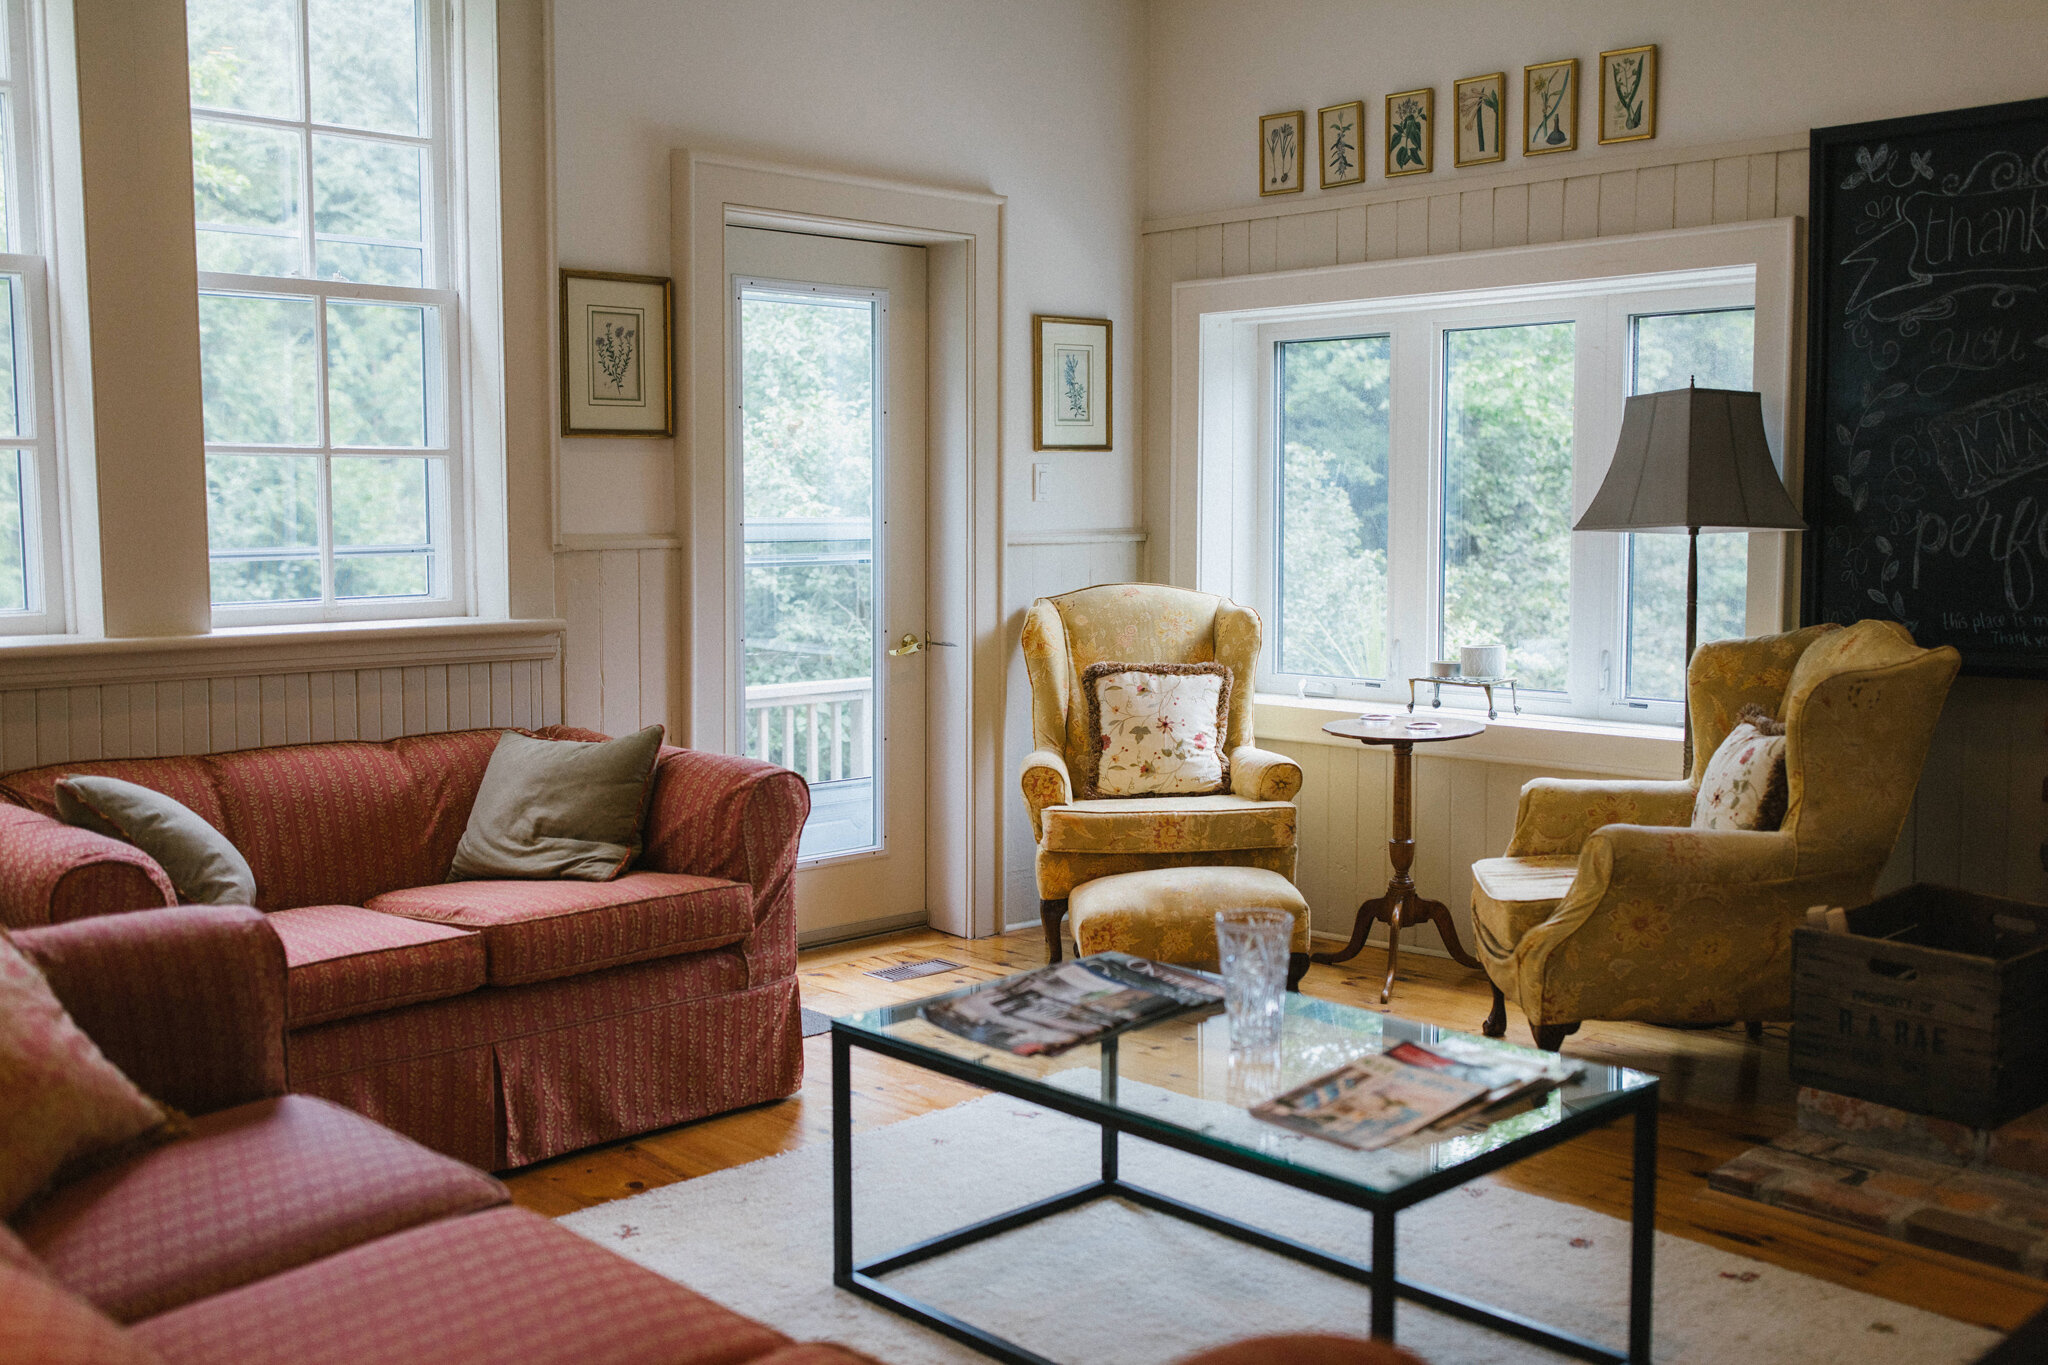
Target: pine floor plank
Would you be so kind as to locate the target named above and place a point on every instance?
(1722, 1094)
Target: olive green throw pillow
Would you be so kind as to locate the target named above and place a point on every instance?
(559, 808)
(199, 860)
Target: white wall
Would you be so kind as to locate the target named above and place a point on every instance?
(1037, 101)
(1731, 70)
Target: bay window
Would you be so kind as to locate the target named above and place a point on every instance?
(1423, 459)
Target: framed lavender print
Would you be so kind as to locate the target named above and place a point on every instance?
(1628, 94)
(615, 354)
(1550, 107)
(1070, 408)
(1341, 130)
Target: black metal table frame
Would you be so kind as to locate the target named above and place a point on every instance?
(865, 1279)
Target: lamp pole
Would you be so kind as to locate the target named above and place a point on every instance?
(1692, 632)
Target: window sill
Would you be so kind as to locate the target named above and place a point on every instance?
(1564, 743)
(240, 651)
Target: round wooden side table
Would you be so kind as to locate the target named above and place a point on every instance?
(1402, 905)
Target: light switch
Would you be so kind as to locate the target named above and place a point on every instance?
(1041, 482)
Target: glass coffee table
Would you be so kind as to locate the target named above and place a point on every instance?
(1178, 1083)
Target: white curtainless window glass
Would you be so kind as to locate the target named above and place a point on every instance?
(1425, 460)
(32, 589)
(322, 169)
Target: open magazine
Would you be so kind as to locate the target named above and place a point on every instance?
(1054, 1008)
(1374, 1101)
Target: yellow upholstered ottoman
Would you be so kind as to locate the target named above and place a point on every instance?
(1169, 913)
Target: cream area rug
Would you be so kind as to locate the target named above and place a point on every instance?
(1113, 1284)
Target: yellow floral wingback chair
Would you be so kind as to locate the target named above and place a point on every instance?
(1252, 825)
(1603, 910)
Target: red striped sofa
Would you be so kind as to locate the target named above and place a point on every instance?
(285, 1228)
(499, 1022)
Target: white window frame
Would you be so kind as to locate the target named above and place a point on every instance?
(1599, 312)
(1219, 489)
(24, 272)
(445, 148)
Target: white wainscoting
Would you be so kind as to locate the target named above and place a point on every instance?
(622, 615)
(143, 719)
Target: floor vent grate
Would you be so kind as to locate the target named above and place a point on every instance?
(910, 971)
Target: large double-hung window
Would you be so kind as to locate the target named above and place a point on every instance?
(1424, 462)
(32, 597)
(322, 167)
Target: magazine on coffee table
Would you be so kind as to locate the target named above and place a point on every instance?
(1051, 1009)
(1374, 1101)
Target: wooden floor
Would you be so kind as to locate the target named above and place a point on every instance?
(1722, 1094)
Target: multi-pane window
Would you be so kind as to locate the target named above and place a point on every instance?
(320, 185)
(1426, 461)
(31, 588)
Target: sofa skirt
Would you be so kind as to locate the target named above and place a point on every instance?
(504, 1077)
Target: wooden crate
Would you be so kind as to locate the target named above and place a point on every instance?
(1935, 1001)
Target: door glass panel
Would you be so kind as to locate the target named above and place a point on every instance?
(1508, 496)
(1714, 350)
(810, 443)
(1333, 506)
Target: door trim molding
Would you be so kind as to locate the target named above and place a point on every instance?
(964, 232)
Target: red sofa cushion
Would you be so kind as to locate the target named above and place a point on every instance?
(506, 1285)
(255, 1190)
(335, 824)
(346, 960)
(48, 1324)
(187, 780)
(540, 929)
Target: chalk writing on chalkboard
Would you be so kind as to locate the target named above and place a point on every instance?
(1927, 441)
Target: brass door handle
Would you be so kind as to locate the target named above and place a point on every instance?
(912, 645)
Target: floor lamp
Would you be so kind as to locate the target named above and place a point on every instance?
(1692, 460)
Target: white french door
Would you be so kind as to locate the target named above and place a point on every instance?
(828, 448)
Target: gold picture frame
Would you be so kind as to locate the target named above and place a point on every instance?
(1282, 141)
(1474, 99)
(617, 348)
(1550, 107)
(1073, 400)
(1410, 137)
(1628, 94)
(1340, 133)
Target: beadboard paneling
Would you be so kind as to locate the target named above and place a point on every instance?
(211, 715)
(615, 659)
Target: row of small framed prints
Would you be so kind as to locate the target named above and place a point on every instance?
(1550, 122)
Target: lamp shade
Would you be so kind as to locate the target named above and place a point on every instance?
(1692, 459)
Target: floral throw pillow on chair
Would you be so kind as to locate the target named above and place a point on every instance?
(1156, 729)
(1744, 786)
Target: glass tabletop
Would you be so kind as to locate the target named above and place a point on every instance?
(1183, 1073)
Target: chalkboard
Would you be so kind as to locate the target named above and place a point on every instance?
(1927, 381)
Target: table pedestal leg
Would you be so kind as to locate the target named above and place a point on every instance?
(1402, 905)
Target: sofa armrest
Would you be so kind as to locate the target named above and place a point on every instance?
(1557, 814)
(1046, 782)
(188, 1001)
(1262, 775)
(51, 872)
(719, 815)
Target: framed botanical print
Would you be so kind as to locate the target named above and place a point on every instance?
(1411, 132)
(1071, 359)
(1341, 131)
(615, 355)
(1550, 107)
(1481, 102)
(1628, 94)
(1280, 150)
